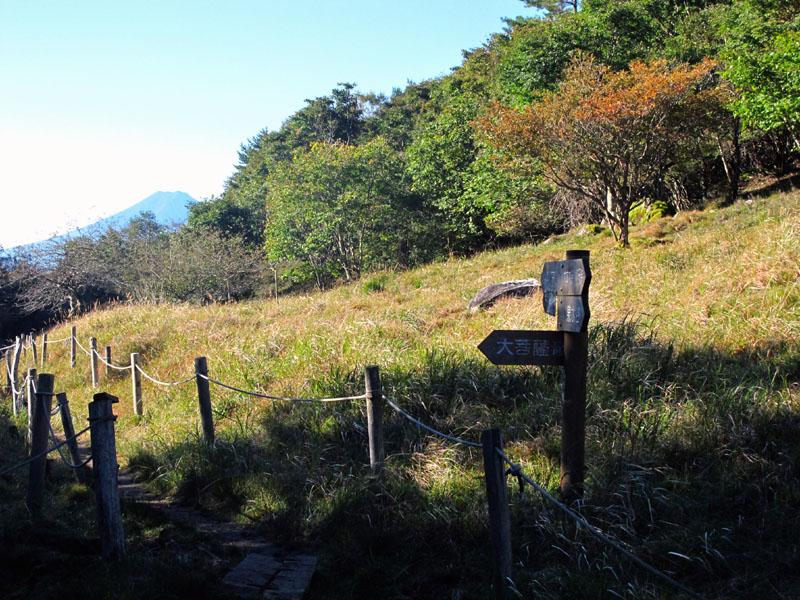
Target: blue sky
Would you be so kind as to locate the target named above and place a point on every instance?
(103, 103)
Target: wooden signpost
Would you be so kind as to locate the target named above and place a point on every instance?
(565, 287)
(565, 291)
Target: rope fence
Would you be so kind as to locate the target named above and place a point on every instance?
(85, 351)
(279, 398)
(375, 400)
(515, 470)
(110, 365)
(163, 383)
(420, 424)
(30, 459)
(58, 446)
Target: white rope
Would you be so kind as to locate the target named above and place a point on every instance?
(286, 398)
(43, 453)
(593, 530)
(66, 460)
(85, 351)
(10, 378)
(103, 360)
(4, 348)
(24, 385)
(164, 383)
(419, 423)
(61, 341)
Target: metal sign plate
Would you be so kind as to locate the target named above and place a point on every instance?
(510, 347)
(572, 313)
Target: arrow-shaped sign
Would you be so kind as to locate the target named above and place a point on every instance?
(510, 347)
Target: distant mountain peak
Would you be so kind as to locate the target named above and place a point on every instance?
(169, 208)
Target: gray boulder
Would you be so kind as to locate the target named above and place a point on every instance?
(517, 288)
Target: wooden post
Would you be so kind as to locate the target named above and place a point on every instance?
(204, 398)
(69, 432)
(108, 361)
(44, 350)
(7, 369)
(104, 460)
(34, 350)
(73, 346)
(30, 392)
(17, 397)
(136, 381)
(93, 361)
(41, 431)
(573, 407)
(499, 513)
(374, 393)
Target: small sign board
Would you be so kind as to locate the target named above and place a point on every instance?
(510, 347)
(572, 313)
(565, 277)
(549, 287)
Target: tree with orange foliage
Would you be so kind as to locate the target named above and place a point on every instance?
(609, 137)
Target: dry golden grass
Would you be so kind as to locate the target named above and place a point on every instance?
(726, 278)
(691, 424)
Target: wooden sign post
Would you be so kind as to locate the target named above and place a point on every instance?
(565, 291)
(572, 317)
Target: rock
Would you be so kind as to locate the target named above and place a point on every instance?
(517, 288)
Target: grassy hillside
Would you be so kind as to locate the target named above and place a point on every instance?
(692, 449)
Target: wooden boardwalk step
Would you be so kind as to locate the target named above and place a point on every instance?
(265, 573)
(269, 577)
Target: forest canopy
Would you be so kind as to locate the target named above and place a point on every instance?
(582, 112)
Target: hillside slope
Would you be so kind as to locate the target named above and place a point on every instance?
(694, 391)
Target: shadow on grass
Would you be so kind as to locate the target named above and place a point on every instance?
(58, 554)
(692, 460)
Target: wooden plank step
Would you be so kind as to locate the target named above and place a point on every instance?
(267, 576)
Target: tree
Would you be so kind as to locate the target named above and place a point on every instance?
(554, 7)
(337, 210)
(767, 76)
(608, 138)
(242, 217)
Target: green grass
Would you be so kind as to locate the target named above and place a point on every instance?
(692, 418)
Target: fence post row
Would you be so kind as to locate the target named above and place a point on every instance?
(44, 350)
(93, 361)
(69, 432)
(104, 460)
(374, 394)
(40, 430)
(73, 346)
(204, 398)
(136, 382)
(30, 393)
(499, 513)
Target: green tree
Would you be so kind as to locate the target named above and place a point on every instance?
(763, 63)
(337, 210)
